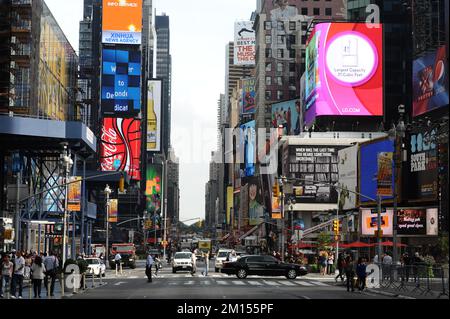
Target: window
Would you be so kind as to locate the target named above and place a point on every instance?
(291, 54)
(280, 26)
(292, 25)
(268, 80)
(270, 260)
(280, 53)
(268, 95)
(305, 11)
(268, 25)
(292, 80)
(316, 11)
(280, 39)
(268, 53)
(291, 67)
(279, 67)
(279, 80)
(328, 12)
(268, 39)
(292, 94)
(268, 67)
(292, 39)
(279, 95)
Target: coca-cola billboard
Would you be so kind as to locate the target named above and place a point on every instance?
(121, 146)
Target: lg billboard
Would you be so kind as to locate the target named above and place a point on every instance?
(344, 71)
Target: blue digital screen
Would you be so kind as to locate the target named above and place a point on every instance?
(121, 82)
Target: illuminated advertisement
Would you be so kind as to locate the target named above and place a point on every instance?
(248, 96)
(113, 210)
(255, 200)
(153, 187)
(74, 198)
(121, 82)
(244, 43)
(368, 168)
(286, 114)
(248, 144)
(417, 221)
(344, 71)
(121, 146)
(384, 176)
(348, 177)
(154, 118)
(369, 222)
(122, 21)
(244, 206)
(57, 70)
(430, 82)
(230, 196)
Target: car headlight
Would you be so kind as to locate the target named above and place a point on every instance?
(131, 259)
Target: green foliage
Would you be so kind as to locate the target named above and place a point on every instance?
(313, 268)
(324, 241)
(443, 246)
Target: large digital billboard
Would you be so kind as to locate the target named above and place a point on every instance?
(122, 21)
(244, 43)
(121, 82)
(369, 222)
(121, 146)
(368, 168)
(248, 96)
(154, 118)
(348, 176)
(286, 114)
(255, 200)
(248, 145)
(153, 187)
(430, 82)
(344, 70)
(417, 221)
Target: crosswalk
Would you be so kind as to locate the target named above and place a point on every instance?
(246, 283)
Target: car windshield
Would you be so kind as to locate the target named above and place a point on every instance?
(123, 248)
(182, 256)
(92, 261)
(222, 254)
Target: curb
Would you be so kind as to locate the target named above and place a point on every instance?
(80, 292)
(389, 294)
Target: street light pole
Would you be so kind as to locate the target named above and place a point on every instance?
(107, 192)
(67, 161)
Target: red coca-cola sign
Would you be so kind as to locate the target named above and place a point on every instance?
(121, 146)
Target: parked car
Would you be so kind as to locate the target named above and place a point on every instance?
(95, 267)
(221, 257)
(182, 261)
(262, 265)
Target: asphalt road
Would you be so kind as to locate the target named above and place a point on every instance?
(132, 284)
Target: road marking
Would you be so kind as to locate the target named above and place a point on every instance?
(119, 283)
(304, 283)
(306, 297)
(239, 283)
(318, 283)
(173, 283)
(254, 283)
(287, 283)
(221, 282)
(190, 282)
(133, 277)
(271, 283)
(206, 282)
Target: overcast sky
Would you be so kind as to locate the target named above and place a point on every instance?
(200, 30)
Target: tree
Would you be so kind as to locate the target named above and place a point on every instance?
(323, 240)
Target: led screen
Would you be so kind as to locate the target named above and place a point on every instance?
(122, 21)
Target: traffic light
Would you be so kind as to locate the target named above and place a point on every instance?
(122, 184)
(276, 190)
(8, 234)
(336, 226)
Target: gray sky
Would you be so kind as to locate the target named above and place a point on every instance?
(200, 30)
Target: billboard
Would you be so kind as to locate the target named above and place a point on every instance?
(417, 221)
(243, 212)
(154, 118)
(430, 82)
(230, 197)
(244, 43)
(384, 175)
(286, 114)
(74, 197)
(121, 146)
(121, 82)
(248, 96)
(313, 165)
(369, 222)
(348, 176)
(248, 145)
(153, 187)
(122, 21)
(344, 71)
(255, 200)
(368, 168)
(113, 210)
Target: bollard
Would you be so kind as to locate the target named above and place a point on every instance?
(101, 281)
(93, 282)
(121, 270)
(62, 282)
(30, 287)
(48, 287)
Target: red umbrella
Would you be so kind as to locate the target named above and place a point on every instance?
(390, 244)
(358, 244)
(305, 245)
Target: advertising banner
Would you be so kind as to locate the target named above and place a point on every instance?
(121, 146)
(314, 164)
(244, 206)
(411, 222)
(344, 71)
(153, 187)
(348, 177)
(244, 43)
(255, 200)
(369, 222)
(430, 82)
(113, 210)
(121, 82)
(248, 96)
(384, 175)
(74, 198)
(432, 221)
(229, 204)
(286, 114)
(248, 144)
(368, 168)
(421, 170)
(122, 21)
(154, 118)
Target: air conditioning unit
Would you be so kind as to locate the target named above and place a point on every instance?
(13, 39)
(12, 64)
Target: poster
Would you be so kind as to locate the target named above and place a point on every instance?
(248, 96)
(154, 118)
(255, 200)
(74, 198)
(411, 222)
(286, 115)
(384, 176)
(122, 22)
(113, 210)
(369, 222)
(348, 177)
(244, 43)
(248, 145)
(432, 221)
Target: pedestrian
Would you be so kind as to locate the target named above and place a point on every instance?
(18, 273)
(206, 256)
(157, 262)
(340, 266)
(417, 262)
(194, 263)
(6, 271)
(406, 261)
(51, 264)
(349, 273)
(330, 264)
(148, 267)
(387, 265)
(322, 263)
(37, 274)
(117, 259)
(361, 273)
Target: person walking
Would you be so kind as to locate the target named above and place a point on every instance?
(51, 264)
(194, 263)
(117, 259)
(157, 264)
(6, 271)
(330, 264)
(17, 279)
(349, 273)
(322, 263)
(37, 274)
(361, 273)
(206, 256)
(340, 267)
(148, 267)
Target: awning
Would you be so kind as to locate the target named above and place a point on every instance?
(251, 231)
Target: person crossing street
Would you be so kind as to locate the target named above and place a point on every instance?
(148, 267)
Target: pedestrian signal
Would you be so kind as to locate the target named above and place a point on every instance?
(336, 226)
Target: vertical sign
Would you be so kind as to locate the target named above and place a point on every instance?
(244, 43)
(113, 210)
(122, 21)
(154, 116)
(384, 176)
(229, 203)
(74, 197)
(248, 96)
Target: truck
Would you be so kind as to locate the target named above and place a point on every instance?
(128, 253)
(204, 245)
(98, 250)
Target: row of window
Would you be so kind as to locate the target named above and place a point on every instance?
(280, 67)
(281, 54)
(279, 80)
(293, 24)
(280, 95)
(281, 39)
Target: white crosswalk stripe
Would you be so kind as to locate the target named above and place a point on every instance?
(255, 283)
(190, 282)
(239, 283)
(271, 283)
(304, 283)
(318, 283)
(221, 282)
(286, 283)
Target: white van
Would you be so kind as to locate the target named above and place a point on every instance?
(221, 257)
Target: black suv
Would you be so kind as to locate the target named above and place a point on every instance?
(262, 265)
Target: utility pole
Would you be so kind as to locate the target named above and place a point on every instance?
(107, 193)
(17, 232)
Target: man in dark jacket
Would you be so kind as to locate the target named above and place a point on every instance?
(349, 272)
(340, 266)
(361, 273)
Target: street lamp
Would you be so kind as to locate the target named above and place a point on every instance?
(108, 191)
(291, 202)
(67, 163)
